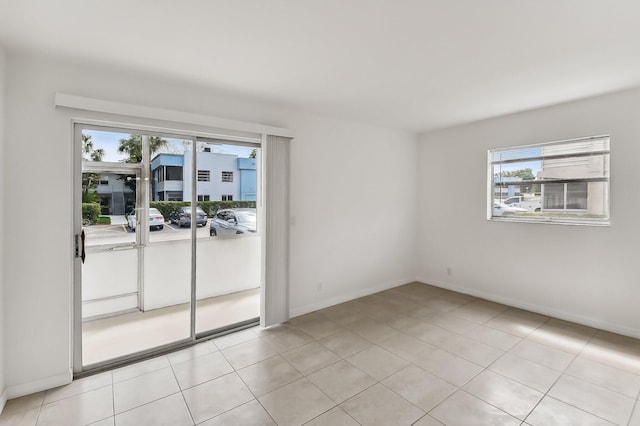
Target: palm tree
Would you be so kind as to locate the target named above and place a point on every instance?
(133, 147)
(90, 180)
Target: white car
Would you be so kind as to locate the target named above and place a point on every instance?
(156, 220)
(501, 209)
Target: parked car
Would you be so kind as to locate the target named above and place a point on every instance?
(500, 209)
(156, 220)
(233, 221)
(182, 216)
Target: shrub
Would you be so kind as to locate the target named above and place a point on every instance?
(90, 211)
(209, 207)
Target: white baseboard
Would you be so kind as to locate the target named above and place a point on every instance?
(3, 399)
(301, 310)
(39, 385)
(543, 310)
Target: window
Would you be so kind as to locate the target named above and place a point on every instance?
(558, 182)
(227, 198)
(227, 176)
(203, 198)
(204, 175)
(104, 180)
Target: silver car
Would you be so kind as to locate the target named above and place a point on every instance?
(501, 209)
(156, 220)
(233, 221)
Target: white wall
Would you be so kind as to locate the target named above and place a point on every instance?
(584, 274)
(353, 199)
(3, 395)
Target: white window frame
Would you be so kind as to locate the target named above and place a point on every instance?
(566, 216)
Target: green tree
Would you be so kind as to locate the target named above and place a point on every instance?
(90, 180)
(254, 153)
(132, 146)
(525, 174)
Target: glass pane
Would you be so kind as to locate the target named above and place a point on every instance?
(228, 252)
(554, 196)
(136, 287)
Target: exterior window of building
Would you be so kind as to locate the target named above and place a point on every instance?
(558, 182)
(203, 198)
(227, 176)
(204, 175)
(227, 198)
(173, 173)
(104, 181)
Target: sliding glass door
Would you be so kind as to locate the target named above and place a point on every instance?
(158, 267)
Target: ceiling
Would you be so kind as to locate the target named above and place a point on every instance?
(417, 65)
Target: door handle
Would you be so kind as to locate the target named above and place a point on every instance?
(83, 255)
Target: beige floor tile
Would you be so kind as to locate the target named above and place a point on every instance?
(479, 311)
(371, 330)
(543, 355)
(459, 408)
(202, 369)
(635, 417)
(427, 421)
(419, 387)
(296, 403)
(78, 386)
(343, 316)
(249, 414)
(168, 411)
(287, 338)
(310, 357)
(492, 337)
(517, 322)
(594, 399)
(449, 367)
(505, 394)
(551, 412)
(140, 368)
(247, 353)
(377, 362)
(453, 323)
(319, 328)
(345, 343)
(334, 417)
(110, 421)
(612, 378)
(562, 335)
(24, 403)
(194, 351)
(408, 348)
(615, 355)
(528, 373)
(216, 396)
(380, 406)
(472, 350)
(144, 389)
(429, 333)
(268, 375)
(235, 338)
(20, 418)
(341, 381)
(82, 409)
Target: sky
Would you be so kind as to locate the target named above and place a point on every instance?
(109, 141)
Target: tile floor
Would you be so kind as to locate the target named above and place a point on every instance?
(414, 354)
